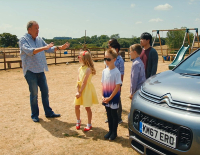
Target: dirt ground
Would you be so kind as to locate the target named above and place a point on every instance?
(20, 135)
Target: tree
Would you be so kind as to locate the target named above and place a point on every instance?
(105, 45)
(157, 42)
(94, 39)
(115, 36)
(135, 40)
(103, 37)
(174, 39)
(124, 43)
(86, 39)
(8, 40)
(196, 39)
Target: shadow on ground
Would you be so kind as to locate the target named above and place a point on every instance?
(59, 128)
(62, 129)
(97, 133)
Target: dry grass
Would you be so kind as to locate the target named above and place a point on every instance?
(20, 135)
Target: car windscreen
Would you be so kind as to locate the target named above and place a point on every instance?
(191, 65)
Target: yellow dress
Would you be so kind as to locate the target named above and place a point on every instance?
(88, 95)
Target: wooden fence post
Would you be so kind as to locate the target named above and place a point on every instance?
(4, 57)
(55, 58)
(74, 54)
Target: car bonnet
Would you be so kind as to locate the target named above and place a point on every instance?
(182, 88)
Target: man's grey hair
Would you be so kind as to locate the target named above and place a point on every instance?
(30, 24)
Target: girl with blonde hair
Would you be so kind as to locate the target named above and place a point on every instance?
(86, 93)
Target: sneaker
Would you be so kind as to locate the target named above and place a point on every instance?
(53, 115)
(120, 121)
(107, 136)
(106, 121)
(35, 119)
(113, 136)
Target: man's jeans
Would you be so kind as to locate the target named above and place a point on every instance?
(34, 80)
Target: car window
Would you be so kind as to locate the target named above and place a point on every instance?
(197, 62)
(191, 65)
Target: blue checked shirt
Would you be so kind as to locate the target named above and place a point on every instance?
(35, 63)
(119, 63)
(137, 75)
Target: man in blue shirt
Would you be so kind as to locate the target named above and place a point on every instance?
(32, 52)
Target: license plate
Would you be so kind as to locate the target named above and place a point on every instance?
(159, 135)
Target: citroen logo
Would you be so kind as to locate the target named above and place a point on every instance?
(167, 99)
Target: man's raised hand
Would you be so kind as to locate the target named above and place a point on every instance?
(49, 45)
(64, 46)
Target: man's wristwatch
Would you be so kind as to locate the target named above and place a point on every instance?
(57, 48)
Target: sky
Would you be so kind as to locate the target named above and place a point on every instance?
(70, 18)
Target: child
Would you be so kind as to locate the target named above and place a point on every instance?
(119, 63)
(86, 94)
(137, 70)
(111, 81)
